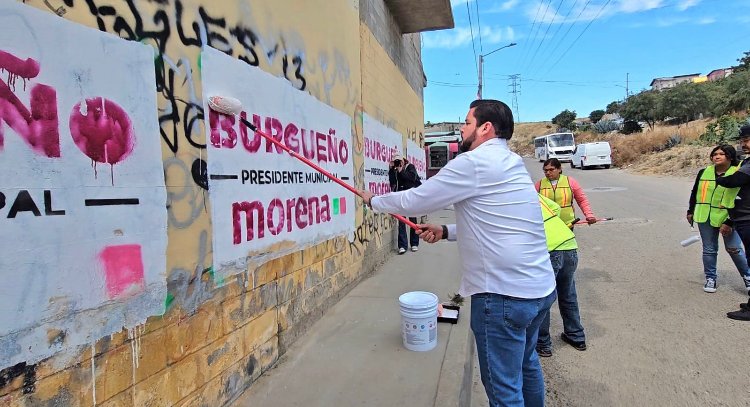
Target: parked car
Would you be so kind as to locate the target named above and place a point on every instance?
(589, 155)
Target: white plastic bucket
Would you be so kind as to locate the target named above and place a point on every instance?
(419, 320)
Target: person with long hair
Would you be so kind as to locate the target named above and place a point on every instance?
(708, 207)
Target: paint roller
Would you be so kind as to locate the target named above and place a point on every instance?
(231, 106)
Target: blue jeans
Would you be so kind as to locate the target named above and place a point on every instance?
(413, 236)
(506, 330)
(733, 245)
(564, 263)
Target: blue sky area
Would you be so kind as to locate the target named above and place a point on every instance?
(575, 54)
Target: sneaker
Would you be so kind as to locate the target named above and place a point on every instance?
(543, 352)
(710, 286)
(401, 250)
(741, 315)
(577, 345)
(415, 248)
(743, 305)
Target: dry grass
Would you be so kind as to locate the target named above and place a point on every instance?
(523, 136)
(628, 149)
(645, 152)
(684, 160)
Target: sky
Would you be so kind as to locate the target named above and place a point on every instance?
(575, 54)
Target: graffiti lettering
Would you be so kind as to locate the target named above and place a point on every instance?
(379, 188)
(312, 144)
(25, 203)
(304, 211)
(100, 128)
(376, 150)
(181, 115)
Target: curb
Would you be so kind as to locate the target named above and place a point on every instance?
(454, 387)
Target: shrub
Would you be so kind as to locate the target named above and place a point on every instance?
(605, 126)
(630, 127)
(725, 129)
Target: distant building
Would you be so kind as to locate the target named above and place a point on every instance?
(700, 79)
(672, 81)
(441, 127)
(720, 73)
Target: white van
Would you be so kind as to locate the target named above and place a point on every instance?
(589, 155)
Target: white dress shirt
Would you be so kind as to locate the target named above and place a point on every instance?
(499, 227)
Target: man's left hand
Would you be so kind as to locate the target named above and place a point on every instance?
(590, 220)
(725, 230)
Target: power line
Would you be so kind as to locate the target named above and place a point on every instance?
(579, 36)
(559, 27)
(585, 6)
(452, 85)
(545, 33)
(479, 27)
(471, 28)
(538, 9)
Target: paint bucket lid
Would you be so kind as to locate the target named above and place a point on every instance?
(418, 300)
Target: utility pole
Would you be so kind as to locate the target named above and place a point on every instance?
(481, 67)
(627, 83)
(515, 90)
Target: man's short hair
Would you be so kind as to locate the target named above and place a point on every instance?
(745, 131)
(495, 112)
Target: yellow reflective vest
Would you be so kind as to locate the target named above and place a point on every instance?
(558, 234)
(711, 200)
(561, 194)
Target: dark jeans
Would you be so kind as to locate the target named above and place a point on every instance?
(413, 236)
(743, 229)
(564, 263)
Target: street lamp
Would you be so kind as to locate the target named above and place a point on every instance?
(481, 67)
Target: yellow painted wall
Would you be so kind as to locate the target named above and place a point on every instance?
(213, 342)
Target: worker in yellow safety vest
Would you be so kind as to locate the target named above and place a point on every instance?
(563, 253)
(563, 190)
(708, 207)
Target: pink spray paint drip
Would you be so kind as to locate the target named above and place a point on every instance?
(123, 270)
(102, 130)
(13, 78)
(38, 126)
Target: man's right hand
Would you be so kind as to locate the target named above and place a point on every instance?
(430, 233)
(689, 218)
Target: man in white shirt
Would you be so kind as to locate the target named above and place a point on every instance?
(500, 234)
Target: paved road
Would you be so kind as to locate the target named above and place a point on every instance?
(655, 338)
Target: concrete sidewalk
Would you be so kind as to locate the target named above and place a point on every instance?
(354, 354)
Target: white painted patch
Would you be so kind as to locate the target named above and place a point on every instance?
(381, 144)
(416, 155)
(264, 203)
(61, 265)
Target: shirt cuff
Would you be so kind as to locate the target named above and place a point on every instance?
(451, 232)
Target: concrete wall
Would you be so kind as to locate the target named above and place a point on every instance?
(216, 337)
(404, 49)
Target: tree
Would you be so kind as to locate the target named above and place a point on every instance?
(565, 120)
(744, 63)
(685, 101)
(596, 115)
(644, 106)
(614, 107)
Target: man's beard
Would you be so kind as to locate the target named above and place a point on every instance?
(467, 142)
